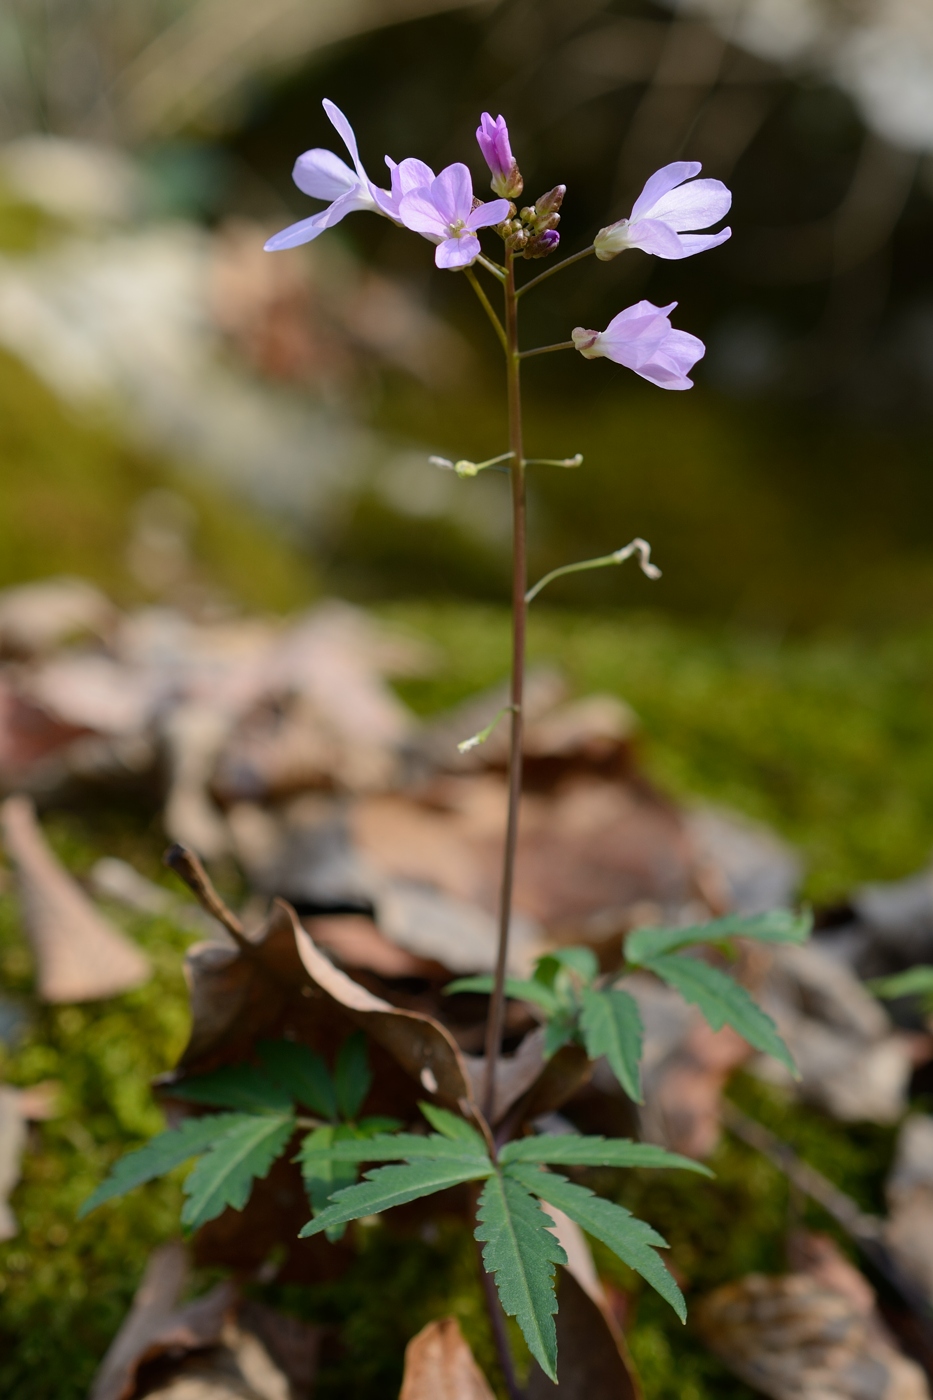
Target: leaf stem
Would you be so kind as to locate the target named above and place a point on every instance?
(487, 307)
(557, 267)
(618, 556)
(547, 349)
(496, 1017)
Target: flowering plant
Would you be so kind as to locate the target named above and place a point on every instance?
(483, 1133)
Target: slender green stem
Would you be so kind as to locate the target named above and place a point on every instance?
(557, 267)
(487, 307)
(547, 349)
(575, 461)
(496, 1018)
(493, 267)
(618, 556)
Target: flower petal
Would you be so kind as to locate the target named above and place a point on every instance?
(457, 252)
(308, 229)
(696, 205)
(345, 130)
(323, 175)
(673, 361)
(661, 182)
(484, 215)
(700, 242)
(304, 232)
(413, 174)
(452, 193)
(653, 236)
(417, 211)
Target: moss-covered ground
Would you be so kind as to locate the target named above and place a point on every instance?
(828, 738)
(830, 741)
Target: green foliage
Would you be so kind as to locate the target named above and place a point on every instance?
(632, 1240)
(610, 1025)
(775, 926)
(915, 982)
(303, 1074)
(243, 1087)
(352, 1075)
(224, 1176)
(160, 1155)
(394, 1186)
(723, 1002)
(521, 1252)
(567, 1149)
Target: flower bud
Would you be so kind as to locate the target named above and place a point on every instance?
(493, 139)
(550, 203)
(542, 244)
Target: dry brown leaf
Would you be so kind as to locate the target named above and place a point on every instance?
(156, 1325)
(439, 1365)
(80, 955)
(909, 1189)
(794, 1338)
(210, 1349)
(35, 617)
(12, 1143)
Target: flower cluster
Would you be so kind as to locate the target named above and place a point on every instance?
(664, 222)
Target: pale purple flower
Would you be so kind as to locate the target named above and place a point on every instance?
(493, 139)
(663, 211)
(643, 339)
(407, 176)
(443, 212)
(323, 175)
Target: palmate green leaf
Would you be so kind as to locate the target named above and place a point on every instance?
(567, 1149)
(244, 1087)
(611, 1026)
(520, 1250)
(160, 1155)
(559, 1031)
(224, 1176)
(517, 988)
(393, 1186)
(454, 1127)
(577, 959)
(302, 1073)
(397, 1147)
(723, 1002)
(323, 1173)
(776, 926)
(631, 1239)
(352, 1075)
(916, 981)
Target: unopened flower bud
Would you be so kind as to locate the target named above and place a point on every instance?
(550, 203)
(542, 244)
(493, 139)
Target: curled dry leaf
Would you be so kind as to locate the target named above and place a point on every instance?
(793, 1337)
(439, 1365)
(214, 1348)
(851, 1061)
(80, 955)
(909, 1229)
(157, 1325)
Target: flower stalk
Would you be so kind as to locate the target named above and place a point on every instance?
(496, 1018)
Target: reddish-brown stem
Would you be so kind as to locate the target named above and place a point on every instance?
(496, 1018)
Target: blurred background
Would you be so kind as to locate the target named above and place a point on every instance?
(150, 346)
(216, 438)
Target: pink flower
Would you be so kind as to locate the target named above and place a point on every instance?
(409, 175)
(493, 139)
(664, 209)
(323, 175)
(643, 339)
(443, 212)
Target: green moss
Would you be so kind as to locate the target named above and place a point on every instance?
(828, 739)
